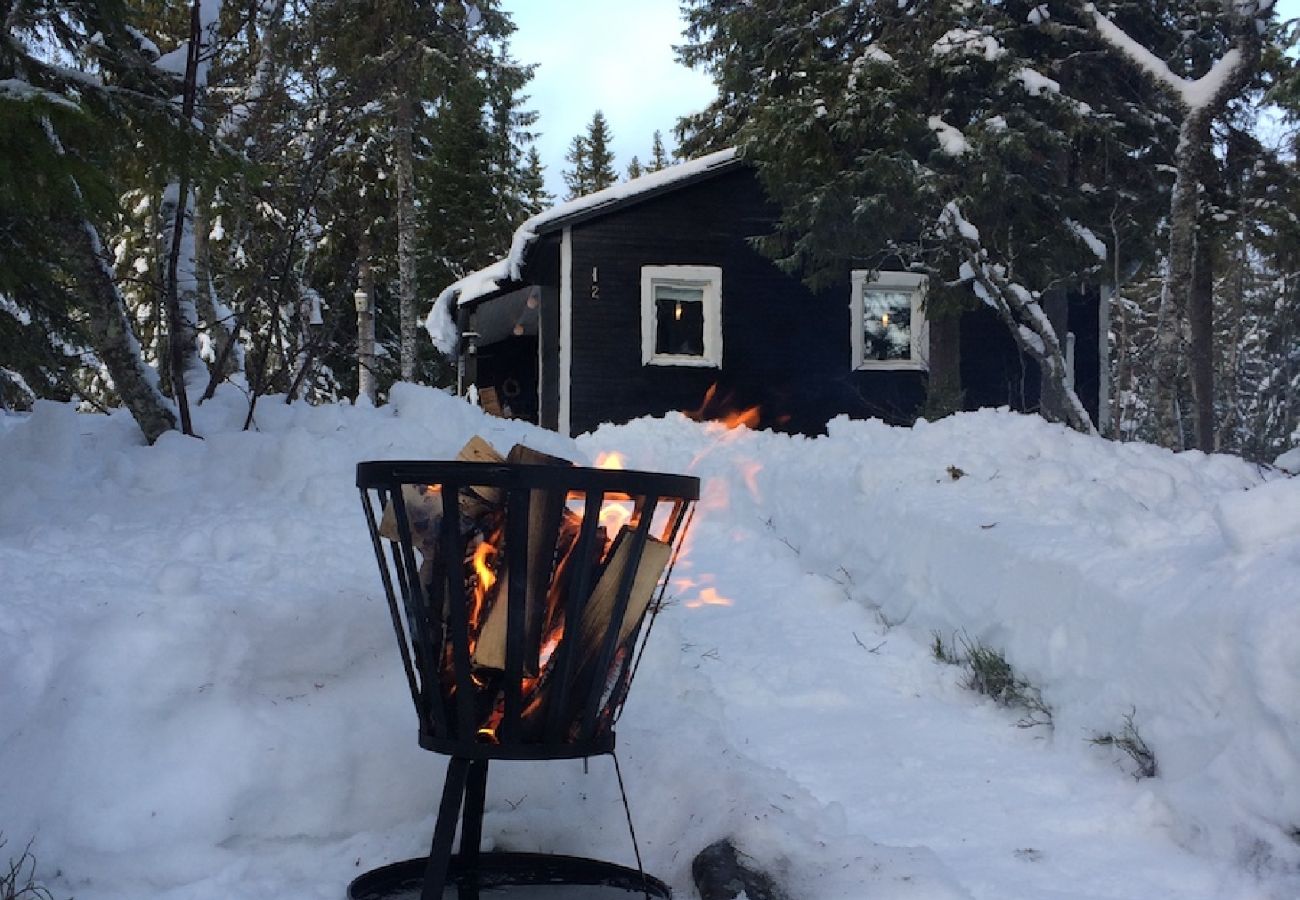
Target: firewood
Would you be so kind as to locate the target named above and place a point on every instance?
(424, 502)
(599, 611)
(543, 599)
(490, 402)
(423, 512)
(476, 501)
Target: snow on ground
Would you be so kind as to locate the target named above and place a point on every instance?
(199, 696)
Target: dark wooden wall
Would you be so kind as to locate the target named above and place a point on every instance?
(786, 350)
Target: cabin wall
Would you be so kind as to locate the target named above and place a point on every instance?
(785, 349)
(544, 270)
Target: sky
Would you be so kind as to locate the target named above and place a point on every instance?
(618, 58)
(615, 57)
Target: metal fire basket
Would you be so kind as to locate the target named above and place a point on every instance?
(521, 596)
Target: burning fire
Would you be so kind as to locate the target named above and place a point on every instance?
(709, 597)
(720, 409)
(610, 460)
(484, 557)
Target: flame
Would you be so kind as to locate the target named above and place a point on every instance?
(721, 410)
(484, 556)
(749, 470)
(709, 597)
(614, 514)
(610, 460)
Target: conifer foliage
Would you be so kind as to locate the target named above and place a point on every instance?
(1003, 148)
(591, 159)
(315, 131)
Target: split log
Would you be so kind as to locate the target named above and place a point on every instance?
(424, 502)
(548, 523)
(490, 402)
(720, 874)
(600, 608)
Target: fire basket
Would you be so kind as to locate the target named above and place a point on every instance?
(521, 591)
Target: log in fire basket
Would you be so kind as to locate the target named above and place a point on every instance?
(522, 591)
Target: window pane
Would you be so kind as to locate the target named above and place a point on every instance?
(679, 320)
(886, 324)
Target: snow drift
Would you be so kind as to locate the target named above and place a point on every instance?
(199, 696)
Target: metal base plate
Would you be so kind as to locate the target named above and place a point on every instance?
(513, 876)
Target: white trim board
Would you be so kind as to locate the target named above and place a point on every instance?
(563, 422)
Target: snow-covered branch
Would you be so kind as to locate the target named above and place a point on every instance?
(1193, 93)
(1019, 308)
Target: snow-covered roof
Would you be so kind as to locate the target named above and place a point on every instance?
(505, 273)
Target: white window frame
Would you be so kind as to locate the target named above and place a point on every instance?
(709, 279)
(863, 281)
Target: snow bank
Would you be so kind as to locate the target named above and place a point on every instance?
(199, 696)
(1120, 578)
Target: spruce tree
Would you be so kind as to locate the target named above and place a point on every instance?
(600, 157)
(533, 184)
(591, 162)
(963, 139)
(71, 133)
(577, 178)
(658, 157)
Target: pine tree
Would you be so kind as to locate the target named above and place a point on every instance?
(658, 157)
(577, 178)
(634, 169)
(590, 159)
(533, 184)
(1204, 78)
(600, 157)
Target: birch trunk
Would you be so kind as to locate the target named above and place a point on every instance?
(405, 163)
(367, 386)
(1025, 319)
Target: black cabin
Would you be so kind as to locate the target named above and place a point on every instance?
(649, 296)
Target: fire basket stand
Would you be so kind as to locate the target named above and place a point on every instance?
(522, 594)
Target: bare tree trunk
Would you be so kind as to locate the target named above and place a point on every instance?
(109, 327)
(109, 330)
(405, 158)
(367, 385)
(1200, 315)
(1230, 376)
(1171, 322)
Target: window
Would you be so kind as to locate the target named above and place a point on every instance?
(681, 316)
(889, 329)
